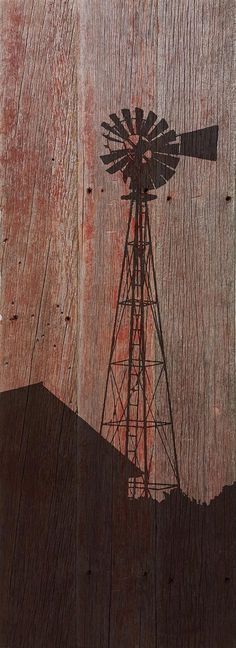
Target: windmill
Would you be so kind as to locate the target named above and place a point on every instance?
(137, 414)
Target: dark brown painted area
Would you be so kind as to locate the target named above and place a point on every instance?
(84, 567)
(38, 520)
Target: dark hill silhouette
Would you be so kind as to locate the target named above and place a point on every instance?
(184, 568)
(81, 565)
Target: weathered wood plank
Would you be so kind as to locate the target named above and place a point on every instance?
(39, 187)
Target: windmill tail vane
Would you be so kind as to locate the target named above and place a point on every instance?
(137, 413)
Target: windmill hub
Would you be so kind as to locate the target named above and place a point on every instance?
(144, 150)
(131, 142)
(147, 155)
(138, 150)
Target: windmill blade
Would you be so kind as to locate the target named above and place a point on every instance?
(128, 171)
(200, 144)
(160, 173)
(155, 175)
(119, 127)
(138, 119)
(112, 139)
(113, 156)
(157, 178)
(163, 141)
(110, 129)
(164, 147)
(170, 149)
(170, 160)
(133, 171)
(118, 166)
(159, 128)
(165, 171)
(147, 182)
(128, 119)
(148, 123)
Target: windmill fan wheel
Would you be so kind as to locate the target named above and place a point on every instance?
(142, 149)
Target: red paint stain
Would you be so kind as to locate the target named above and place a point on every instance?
(89, 205)
(15, 15)
(136, 100)
(89, 130)
(13, 43)
(8, 116)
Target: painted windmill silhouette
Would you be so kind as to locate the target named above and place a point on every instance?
(137, 414)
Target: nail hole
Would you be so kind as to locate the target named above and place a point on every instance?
(89, 572)
(14, 317)
(145, 573)
(53, 159)
(48, 323)
(228, 198)
(19, 262)
(54, 346)
(227, 579)
(170, 580)
(32, 315)
(58, 305)
(5, 240)
(168, 198)
(102, 190)
(12, 302)
(67, 318)
(89, 190)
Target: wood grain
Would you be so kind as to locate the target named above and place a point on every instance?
(39, 188)
(126, 575)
